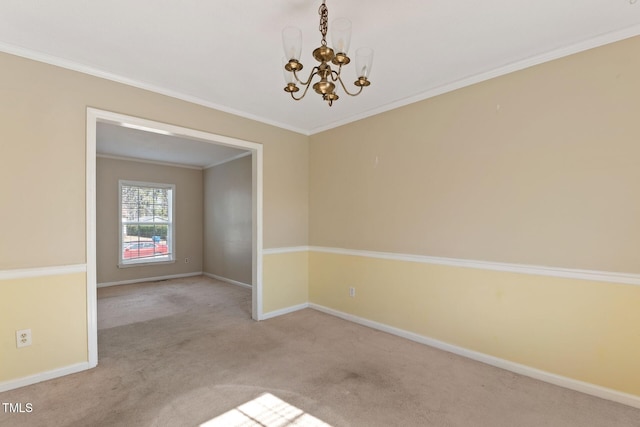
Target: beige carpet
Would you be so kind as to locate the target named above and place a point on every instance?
(186, 353)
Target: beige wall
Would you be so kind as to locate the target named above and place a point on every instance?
(188, 217)
(43, 112)
(227, 220)
(286, 182)
(535, 167)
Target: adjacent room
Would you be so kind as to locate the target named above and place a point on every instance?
(448, 240)
(160, 195)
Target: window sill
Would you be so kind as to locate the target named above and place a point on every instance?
(145, 263)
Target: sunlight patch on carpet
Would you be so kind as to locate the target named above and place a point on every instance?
(265, 410)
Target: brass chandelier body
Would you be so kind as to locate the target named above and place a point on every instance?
(326, 56)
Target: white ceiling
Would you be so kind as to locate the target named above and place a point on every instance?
(227, 53)
(114, 140)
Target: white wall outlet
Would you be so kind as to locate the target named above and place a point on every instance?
(186, 260)
(23, 338)
(352, 292)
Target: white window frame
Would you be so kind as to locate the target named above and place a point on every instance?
(122, 263)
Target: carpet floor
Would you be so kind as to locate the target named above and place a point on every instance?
(185, 352)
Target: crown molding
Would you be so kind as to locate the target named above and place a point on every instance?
(152, 162)
(86, 69)
(236, 157)
(584, 45)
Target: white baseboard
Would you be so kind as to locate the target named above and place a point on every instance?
(44, 376)
(231, 281)
(287, 310)
(149, 279)
(572, 384)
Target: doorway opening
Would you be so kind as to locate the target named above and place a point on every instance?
(96, 117)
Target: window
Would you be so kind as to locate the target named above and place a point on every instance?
(146, 223)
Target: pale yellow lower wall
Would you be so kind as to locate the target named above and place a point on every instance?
(584, 330)
(285, 280)
(54, 308)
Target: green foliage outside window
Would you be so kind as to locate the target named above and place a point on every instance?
(148, 231)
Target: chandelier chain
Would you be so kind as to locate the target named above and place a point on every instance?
(324, 22)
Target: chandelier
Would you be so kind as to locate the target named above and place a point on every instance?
(328, 77)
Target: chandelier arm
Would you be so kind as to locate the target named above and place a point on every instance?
(335, 75)
(345, 88)
(313, 73)
(306, 88)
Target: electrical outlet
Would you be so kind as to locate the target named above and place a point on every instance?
(352, 292)
(23, 338)
(186, 260)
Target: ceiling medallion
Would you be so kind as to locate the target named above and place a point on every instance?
(341, 37)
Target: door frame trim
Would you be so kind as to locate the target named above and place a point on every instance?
(93, 117)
